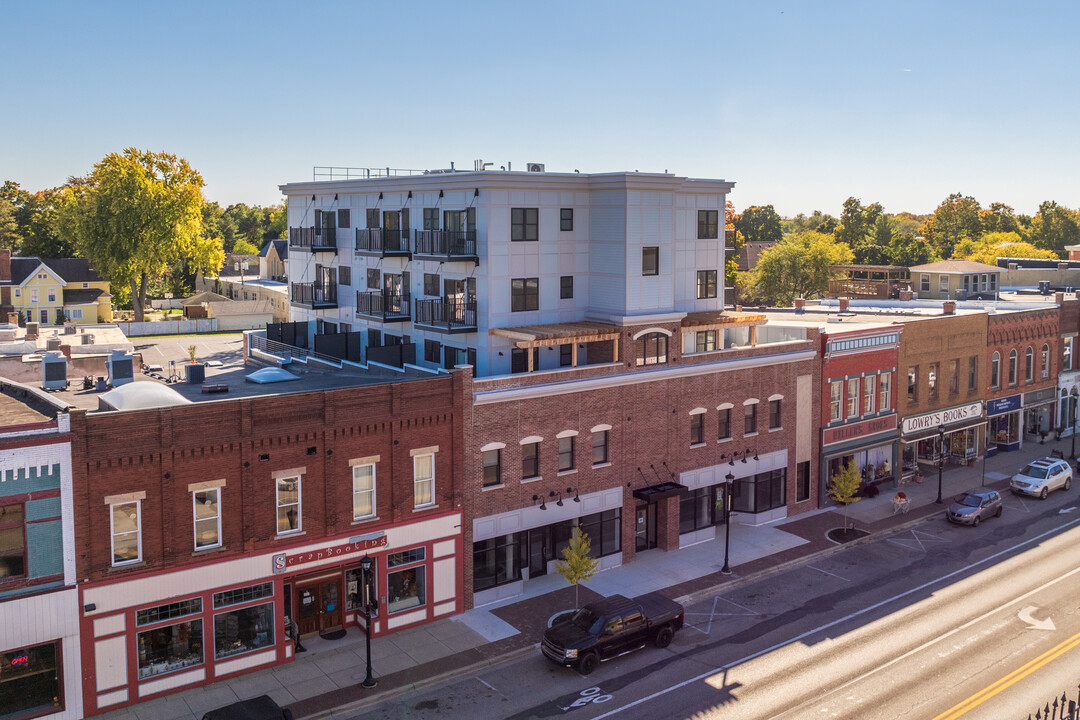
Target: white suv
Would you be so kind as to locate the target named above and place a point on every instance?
(1042, 476)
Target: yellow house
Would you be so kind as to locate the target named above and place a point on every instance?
(44, 290)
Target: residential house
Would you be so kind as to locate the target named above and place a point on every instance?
(51, 290)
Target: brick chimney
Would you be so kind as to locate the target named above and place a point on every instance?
(844, 302)
(948, 307)
(1059, 298)
(5, 265)
(800, 304)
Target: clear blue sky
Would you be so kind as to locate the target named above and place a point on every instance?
(802, 104)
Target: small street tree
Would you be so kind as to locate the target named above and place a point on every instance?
(577, 565)
(844, 488)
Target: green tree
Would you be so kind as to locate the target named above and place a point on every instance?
(857, 222)
(992, 246)
(954, 219)
(908, 250)
(243, 247)
(999, 218)
(844, 487)
(137, 213)
(10, 237)
(798, 266)
(760, 224)
(577, 565)
(1054, 227)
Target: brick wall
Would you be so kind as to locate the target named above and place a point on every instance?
(243, 442)
(1019, 331)
(941, 339)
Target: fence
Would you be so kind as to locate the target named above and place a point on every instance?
(1059, 709)
(169, 327)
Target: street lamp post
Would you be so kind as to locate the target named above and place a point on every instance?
(726, 570)
(369, 598)
(941, 461)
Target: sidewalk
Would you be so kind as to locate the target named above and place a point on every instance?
(329, 674)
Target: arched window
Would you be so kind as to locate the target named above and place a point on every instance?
(1012, 367)
(1045, 361)
(995, 370)
(1029, 364)
(652, 349)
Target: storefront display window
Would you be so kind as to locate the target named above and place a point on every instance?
(242, 630)
(169, 648)
(701, 508)
(406, 588)
(495, 561)
(874, 463)
(30, 681)
(761, 492)
(1006, 428)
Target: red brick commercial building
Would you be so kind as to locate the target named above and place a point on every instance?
(643, 453)
(1069, 367)
(201, 527)
(1022, 355)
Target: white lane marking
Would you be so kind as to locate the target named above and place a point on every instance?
(917, 540)
(827, 573)
(1066, 511)
(1026, 615)
(491, 686)
(865, 610)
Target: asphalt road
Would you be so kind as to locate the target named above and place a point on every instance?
(932, 623)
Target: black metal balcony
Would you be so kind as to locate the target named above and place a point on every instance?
(383, 306)
(315, 239)
(314, 296)
(382, 242)
(446, 315)
(446, 245)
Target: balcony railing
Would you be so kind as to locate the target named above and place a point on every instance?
(446, 245)
(382, 242)
(383, 306)
(315, 296)
(447, 315)
(322, 239)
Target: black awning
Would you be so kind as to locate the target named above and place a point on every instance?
(652, 493)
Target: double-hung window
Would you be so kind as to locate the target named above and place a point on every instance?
(724, 415)
(706, 284)
(566, 453)
(530, 460)
(492, 461)
(705, 340)
(566, 219)
(524, 224)
(363, 491)
(599, 447)
(126, 530)
(708, 224)
(884, 391)
(836, 399)
(852, 397)
(524, 294)
(1045, 361)
(206, 510)
(868, 395)
(750, 418)
(289, 517)
(697, 428)
(424, 480)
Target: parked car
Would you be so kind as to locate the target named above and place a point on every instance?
(1042, 476)
(259, 708)
(974, 506)
(611, 627)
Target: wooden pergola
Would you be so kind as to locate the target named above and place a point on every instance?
(722, 319)
(527, 337)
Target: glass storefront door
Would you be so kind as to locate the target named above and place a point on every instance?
(645, 527)
(539, 553)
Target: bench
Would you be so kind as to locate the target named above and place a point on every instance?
(215, 387)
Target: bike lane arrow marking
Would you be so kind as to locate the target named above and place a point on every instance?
(1025, 615)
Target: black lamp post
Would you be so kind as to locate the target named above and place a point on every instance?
(367, 564)
(941, 461)
(726, 570)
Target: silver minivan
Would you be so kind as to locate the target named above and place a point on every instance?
(1042, 476)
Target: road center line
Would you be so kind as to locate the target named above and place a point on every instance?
(857, 613)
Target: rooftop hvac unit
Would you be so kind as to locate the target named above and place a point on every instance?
(52, 343)
(54, 371)
(87, 338)
(69, 329)
(535, 167)
(31, 330)
(121, 368)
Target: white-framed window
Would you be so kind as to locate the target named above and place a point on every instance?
(35, 295)
(943, 284)
(1067, 353)
(52, 294)
(884, 391)
(852, 397)
(74, 313)
(44, 317)
(1045, 361)
(363, 491)
(1029, 365)
(289, 509)
(126, 531)
(924, 283)
(836, 399)
(424, 480)
(18, 292)
(206, 512)
(868, 395)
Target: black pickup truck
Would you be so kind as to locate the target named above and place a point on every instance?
(611, 627)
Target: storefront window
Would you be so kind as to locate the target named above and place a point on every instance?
(874, 463)
(495, 561)
(701, 508)
(764, 491)
(604, 530)
(406, 588)
(242, 630)
(30, 681)
(170, 648)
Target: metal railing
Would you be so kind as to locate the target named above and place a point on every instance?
(312, 294)
(280, 349)
(328, 172)
(1059, 708)
(382, 240)
(383, 305)
(311, 237)
(450, 315)
(445, 243)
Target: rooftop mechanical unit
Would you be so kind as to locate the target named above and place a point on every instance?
(54, 371)
(121, 368)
